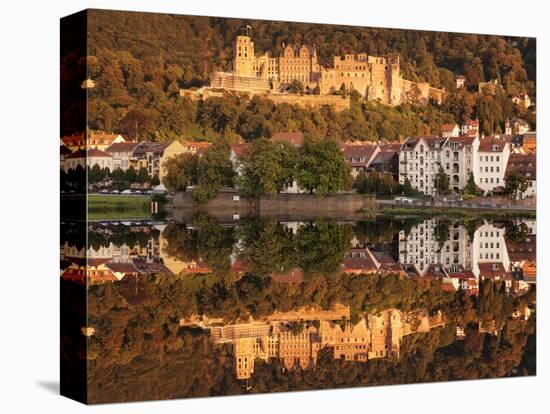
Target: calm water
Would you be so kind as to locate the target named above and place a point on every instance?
(207, 308)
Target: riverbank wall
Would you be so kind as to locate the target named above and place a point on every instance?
(229, 206)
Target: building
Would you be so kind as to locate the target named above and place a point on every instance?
(196, 147)
(516, 126)
(359, 156)
(524, 165)
(386, 161)
(459, 161)
(88, 158)
(530, 142)
(450, 130)
(153, 155)
(375, 78)
(122, 153)
(522, 99)
(489, 253)
(492, 155)
(419, 249)
(419, 162)
(489, 87)
(92, 140)
(470, 128)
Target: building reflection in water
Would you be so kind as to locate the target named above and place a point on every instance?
(296, 338)
(457, 255)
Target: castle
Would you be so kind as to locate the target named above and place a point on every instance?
(375, 78)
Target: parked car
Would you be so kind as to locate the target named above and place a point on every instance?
(403, 200)
(137, 192)
(126, 192)
(104, 192)
(115, 192)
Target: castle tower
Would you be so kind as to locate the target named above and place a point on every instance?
(243, 63)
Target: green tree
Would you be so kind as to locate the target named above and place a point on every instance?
(142, 175)
(442, 182)
(515, 184)
(130, 175)
(322, 167)
(154, 181)
(95, 174)
(267, 167)
(214, 171)
(471, 187)
(181, 172)
(118, 175)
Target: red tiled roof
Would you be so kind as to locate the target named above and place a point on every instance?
(523, 164)
(101, 138)
(93, 152)
(492, 144)
(393, 147)
(431, 140)
(127, 146)
(492, 270)
(74, 140)
(294, 138)
(365, 151)
(448, 127)
(359, 264)
(462, 140)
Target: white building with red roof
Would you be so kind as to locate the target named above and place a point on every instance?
(450, 130)
(492, 157)
(88, 158)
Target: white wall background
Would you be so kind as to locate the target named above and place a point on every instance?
(29, 85)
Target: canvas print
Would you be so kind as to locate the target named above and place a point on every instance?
(253, 206)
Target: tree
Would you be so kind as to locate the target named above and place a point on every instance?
(130, 175)
(296, 87)
(322, 167)
(316, 90)
(516, 184)
(214, 171)
(442, 182)
(142, 175)
(95, 174)
(181, 172)
(154, 181)
(137, 123)
(267, 167)
(471, 187)
(118, 175)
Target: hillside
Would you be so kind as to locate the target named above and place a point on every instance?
(140, 61)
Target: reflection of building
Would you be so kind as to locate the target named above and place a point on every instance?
(297, 342)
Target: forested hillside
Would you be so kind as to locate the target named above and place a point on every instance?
(140, 61)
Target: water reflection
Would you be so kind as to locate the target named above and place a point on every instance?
(203, 308)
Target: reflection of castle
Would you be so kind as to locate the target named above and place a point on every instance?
(298, 346)
(375, 78)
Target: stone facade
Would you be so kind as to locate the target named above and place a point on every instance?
(375, 78)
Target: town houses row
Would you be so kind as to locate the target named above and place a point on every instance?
(459, 150)
(459, 261)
